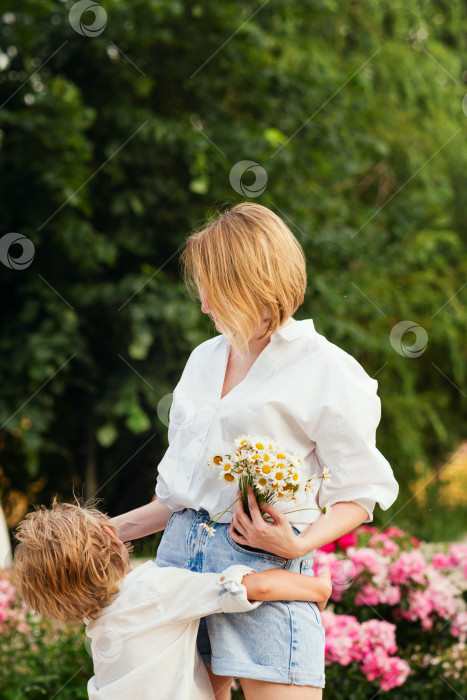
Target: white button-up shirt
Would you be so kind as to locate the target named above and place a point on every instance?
(310, 396)
(144, 643)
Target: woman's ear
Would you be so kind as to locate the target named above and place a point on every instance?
(111, 533)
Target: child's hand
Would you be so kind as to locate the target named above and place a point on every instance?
(325, 577)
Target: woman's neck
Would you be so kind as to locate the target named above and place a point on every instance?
(256, 345)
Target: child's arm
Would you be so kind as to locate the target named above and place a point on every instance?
(276, 584)
(187, 595)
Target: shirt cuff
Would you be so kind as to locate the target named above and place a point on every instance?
(234, 592)
(368, 504)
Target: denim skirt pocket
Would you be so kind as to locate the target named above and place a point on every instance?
(172, 550)
(261, 554)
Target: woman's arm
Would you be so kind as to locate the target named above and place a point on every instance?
(276, 584)
(141, 521)
(279, 538)
(344, 517)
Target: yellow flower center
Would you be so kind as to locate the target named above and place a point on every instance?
(217, 459)
(280, 456)
(280, 495)
(259, 446)
(262, 481)
(266, 469)
(295, 477)
(279, 476)
(256, 457)
(229, 477)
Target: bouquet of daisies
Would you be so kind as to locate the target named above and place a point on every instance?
(273, 473)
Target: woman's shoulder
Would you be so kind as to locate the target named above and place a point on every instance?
(342, 368)
(206, 348)
(204, 354)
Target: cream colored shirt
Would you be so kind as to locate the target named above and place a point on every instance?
(309, 395)
(144, 643)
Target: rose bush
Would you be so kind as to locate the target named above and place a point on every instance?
(397, 617)
(396, 623)
(38, 658)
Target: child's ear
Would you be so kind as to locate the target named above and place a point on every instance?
(111, 533)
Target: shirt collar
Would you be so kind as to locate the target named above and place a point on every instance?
(296, 329)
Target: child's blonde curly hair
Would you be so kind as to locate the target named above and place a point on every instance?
(67, 566)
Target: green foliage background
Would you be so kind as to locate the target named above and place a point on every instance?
(114, 147)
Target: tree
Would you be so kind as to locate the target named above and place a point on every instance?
(114, 146)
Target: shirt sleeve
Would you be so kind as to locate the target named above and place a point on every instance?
(189, 595)
(178, 415)
(346, 445)
(162, 491)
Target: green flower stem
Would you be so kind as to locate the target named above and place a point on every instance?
(219, 515)
(299, 509)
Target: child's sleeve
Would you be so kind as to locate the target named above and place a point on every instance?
(187, 595)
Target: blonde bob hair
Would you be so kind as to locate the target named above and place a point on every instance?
(251, 269)
(67, 566)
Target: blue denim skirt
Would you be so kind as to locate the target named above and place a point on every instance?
(282, 642)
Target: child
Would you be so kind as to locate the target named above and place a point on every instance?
(142, 622)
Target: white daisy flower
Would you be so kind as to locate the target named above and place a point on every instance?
(209, 529)
(326, 511)
(268, 442)
(242, 440)
(261, 482)
(311, 487)
(228, 477)
(280, 473)
(218, 460)
(296, 462)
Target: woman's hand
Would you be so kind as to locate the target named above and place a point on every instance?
(277, 537)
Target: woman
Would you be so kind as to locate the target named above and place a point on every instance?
(267, 374)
